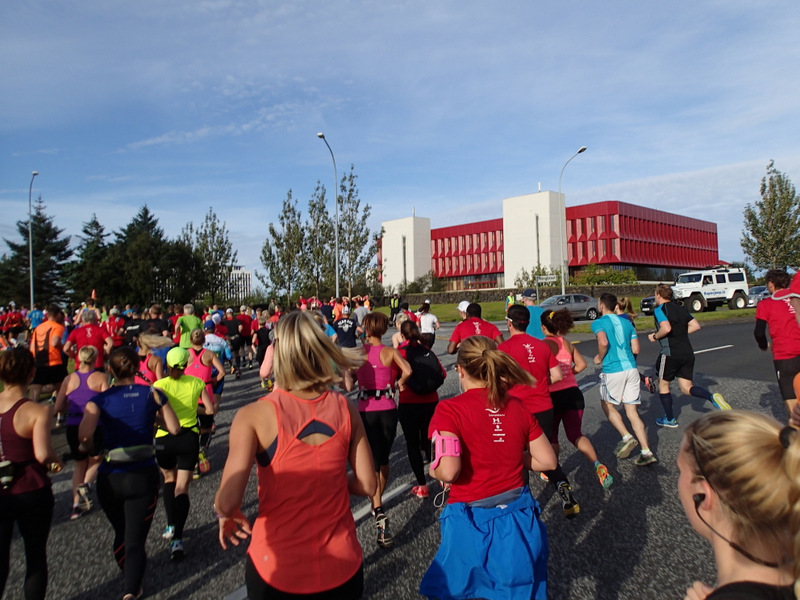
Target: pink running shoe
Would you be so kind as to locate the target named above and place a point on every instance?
(420, 491)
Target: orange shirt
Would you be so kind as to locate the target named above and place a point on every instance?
(304, 538)
(42, 344)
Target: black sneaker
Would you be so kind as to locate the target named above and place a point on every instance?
(176, 550)
(650, 384)
(568, 503)
(384, 537)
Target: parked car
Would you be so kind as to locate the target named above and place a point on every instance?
(756, 294)
(648, 305)
(580, 306)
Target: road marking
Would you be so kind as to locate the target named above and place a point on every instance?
(241, 593)
(586, 386)
(712, 349)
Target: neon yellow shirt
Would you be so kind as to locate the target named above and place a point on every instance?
(182, 395)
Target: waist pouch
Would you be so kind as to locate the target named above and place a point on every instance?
(130, 454)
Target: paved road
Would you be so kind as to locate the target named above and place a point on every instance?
(629, 542)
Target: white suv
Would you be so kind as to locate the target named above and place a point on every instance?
(707, 289)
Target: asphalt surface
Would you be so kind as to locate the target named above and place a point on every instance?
(631, 541)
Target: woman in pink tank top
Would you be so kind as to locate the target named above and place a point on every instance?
(151, 368)
(376, 384)
(568, 403)
(302, 436)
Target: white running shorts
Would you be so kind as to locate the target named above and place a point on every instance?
(620, 388)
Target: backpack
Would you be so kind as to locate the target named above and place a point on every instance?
(426, 371)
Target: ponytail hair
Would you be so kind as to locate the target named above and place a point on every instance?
(410, 331)
(482, 361)
(87, 355)
(752, 463)
(557, 322)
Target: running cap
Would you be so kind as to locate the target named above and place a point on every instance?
(230, 310)
(529, 293)
(242, 308)
(216, 318)
(462, 306)
(178, 357)
(12, 304)
(209, 324)
(427, 301)
(114, 311)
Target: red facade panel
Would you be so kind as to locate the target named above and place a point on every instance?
(470, 249)
(638, 235)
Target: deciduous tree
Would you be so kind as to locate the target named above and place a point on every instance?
(771, 234)
(356, 246)
(211, 243)
(320, 247)
(283, 252)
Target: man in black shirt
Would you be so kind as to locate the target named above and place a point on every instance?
(237, 341)
(347, 330)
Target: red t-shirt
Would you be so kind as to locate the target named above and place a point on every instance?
(89, 334)
(537, 359)
(779, 314)
(492, 443)
(794, 288)
(473, 326)
(246, 321)
(115, 327)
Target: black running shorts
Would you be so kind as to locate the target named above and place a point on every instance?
(178, 451)
(670, 367)
(785, 370)
(381, 428)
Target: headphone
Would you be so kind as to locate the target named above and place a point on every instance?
(698, 500)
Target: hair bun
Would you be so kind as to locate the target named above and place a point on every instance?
(786, 435)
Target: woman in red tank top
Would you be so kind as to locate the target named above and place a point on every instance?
(25, 449)
(302, 477)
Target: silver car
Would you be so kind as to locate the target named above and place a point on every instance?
(756, 294)
(579, 305)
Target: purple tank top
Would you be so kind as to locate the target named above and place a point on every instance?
(78, 399)
(29, 474)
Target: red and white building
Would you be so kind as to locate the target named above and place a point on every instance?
(492, 253)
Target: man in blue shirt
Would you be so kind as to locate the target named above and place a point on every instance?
(617, 343)
(535, 323)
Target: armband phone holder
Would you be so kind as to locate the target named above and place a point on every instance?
(443, 445)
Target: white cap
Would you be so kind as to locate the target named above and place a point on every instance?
(462, 306)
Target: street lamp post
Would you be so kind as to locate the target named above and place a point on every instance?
(321, 136)
(30, 236)
(563, 229)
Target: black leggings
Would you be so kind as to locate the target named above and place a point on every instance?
(414, 419)
(129, 501)
(33, 513)
(546, 421)
(258, 589)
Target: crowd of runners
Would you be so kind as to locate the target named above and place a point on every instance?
(138, 411)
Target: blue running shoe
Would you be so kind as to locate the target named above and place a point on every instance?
(665, 422)
(719, 402)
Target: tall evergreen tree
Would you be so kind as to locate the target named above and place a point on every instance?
(88, 271)
(282, 254)
(356, 246)
(51, 254)
(320, 252)
(771, 234)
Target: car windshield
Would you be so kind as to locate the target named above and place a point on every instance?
(551, 300)
(689, 278)
(757, 289)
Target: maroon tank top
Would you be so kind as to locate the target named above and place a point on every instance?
(29, 474)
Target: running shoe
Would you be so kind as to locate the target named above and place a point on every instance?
(603, 476)
(169, 532)
(77, 512)
(625, 447)
(568, 503)
(544, 478)
(420, 491)
(263, 384)
(250, 365)
(384, 537)
(132, 597)
(85, 500)
(203, 464)
(650, 384)
(665, 422)
(197, 474)
(719, 402)
(645, 459)
(176, 550)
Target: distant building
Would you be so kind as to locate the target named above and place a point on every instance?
(239, 285)
(492, 253)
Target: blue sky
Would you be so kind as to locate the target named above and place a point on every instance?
(446, 106)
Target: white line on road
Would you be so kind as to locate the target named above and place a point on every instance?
(586, 386)
(712, 349)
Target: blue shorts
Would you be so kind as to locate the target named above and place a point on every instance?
(497, 552)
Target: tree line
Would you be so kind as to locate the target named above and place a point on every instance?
(138, 264)
(299, 254)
